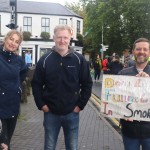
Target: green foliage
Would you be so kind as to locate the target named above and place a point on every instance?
(123, 22)
(75, 7)
(45, 35)
(26, 36)
(80, 39)
(127, 20)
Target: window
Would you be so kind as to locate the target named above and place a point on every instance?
(1, 41)
(78, 26)
(27, 24)
(45, 25)
(62, 21)
(44, 51)
(0, 24)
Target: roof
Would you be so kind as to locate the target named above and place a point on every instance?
(32, 7)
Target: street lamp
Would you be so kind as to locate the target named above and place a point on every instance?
(102, 52)
(104, 47)
(13, 22)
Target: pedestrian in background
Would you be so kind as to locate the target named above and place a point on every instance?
(28, 59)
(12, 71)
(61, 87)
(137, 133)
(127, 57)
(105, 65)
(130, 63)
(115, 66)
(97, 65)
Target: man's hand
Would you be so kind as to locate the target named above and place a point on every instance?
(129, 119)
(142, 74)
(76, 109)
(45, 108)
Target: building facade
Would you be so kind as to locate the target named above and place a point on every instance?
(37, 17)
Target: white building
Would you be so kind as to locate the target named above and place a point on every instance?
(36, 17)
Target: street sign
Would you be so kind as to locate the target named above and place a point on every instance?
(105, 47)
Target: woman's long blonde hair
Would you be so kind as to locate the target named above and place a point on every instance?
(12, 32)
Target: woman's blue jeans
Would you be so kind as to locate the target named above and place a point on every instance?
(135, 143)
(52, 125)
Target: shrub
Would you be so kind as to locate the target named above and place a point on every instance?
(45, 35)
(26, 35)
(80, 39)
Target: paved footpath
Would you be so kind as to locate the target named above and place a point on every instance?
(94, 132)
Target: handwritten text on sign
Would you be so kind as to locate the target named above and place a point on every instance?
(126, 97)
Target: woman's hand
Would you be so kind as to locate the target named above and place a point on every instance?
(4, 146)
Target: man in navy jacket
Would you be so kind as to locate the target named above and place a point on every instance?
(136, 133)
(61, 87)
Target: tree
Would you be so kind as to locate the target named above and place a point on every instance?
(75, 7)
(123, 21)
(127, 20)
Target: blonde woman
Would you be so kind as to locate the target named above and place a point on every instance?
(13, 71)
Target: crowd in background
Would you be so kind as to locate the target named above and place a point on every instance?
(110, 65)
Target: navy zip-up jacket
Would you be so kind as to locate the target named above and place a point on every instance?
(62, 82)
(12, 71)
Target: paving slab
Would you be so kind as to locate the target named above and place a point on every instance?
(95, 133)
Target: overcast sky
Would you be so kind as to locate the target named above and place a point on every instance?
(56, 1)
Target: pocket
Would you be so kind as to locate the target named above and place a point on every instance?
(76, 112)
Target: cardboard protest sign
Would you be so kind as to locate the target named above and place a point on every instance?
(126, 97)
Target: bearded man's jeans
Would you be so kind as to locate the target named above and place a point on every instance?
(135, 143)
(52, 125)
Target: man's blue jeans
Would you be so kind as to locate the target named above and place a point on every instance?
(52, 125)
(135, 143)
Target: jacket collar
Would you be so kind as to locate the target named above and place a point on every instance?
(70, 50)
(147, 67)
(6, 54)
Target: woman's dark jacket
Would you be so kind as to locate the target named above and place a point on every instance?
(12, 71)
(62, 83)
(115, 67)
(135, 129)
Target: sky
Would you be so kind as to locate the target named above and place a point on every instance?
(56, 1)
